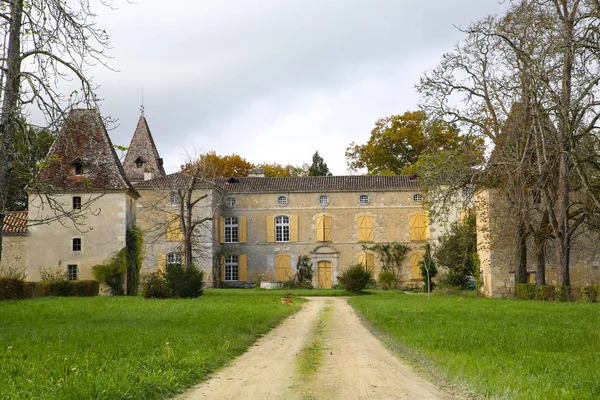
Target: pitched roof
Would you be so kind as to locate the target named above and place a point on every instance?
(142, 148)
(351, 183)
(83, 142)
(15, 223)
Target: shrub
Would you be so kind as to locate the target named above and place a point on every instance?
(53, 274)
(387, 280)
(13, 272)
(563, 293)
(154, 286)
(456, 279)
(525, 291)
(586, 293)
(356, 278)
(112, 271)
(12, 288)
(56, 288)
(545, 292)
(305, 272)
(86, 288)
(183, 282)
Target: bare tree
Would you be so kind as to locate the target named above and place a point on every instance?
(47, 46)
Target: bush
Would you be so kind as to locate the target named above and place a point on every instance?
(387, 280)
(356, 278)
(69, 288)
(183, 282)
(525, 291)
(586, 293)
(456, 280)
(113, 271)
(86, 288)
(545, 292)
(12, 288)
(154, 286)
(564, 293)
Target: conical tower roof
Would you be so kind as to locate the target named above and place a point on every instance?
(83, 159)
(142, 155)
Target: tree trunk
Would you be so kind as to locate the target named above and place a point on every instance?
(540, 260)
(10, 105)
(521, 271)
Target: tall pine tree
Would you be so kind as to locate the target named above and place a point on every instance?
(318, 167)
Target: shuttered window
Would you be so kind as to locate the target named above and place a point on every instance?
(174, 228)
(282, 229)
(367, 260)
(415, 268)
(418, 227)
(365, 228)
(324, 224)
(283, 270)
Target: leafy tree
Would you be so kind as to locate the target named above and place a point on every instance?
(31, 147)
(213, 165)
(283, 171)
(391, 256)
(397, 142)
(318, 167)
(456, 251)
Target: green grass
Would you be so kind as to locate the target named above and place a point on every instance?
(498, 348)
(122, 347)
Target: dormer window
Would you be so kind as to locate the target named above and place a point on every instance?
(139, 163)
(78, 167)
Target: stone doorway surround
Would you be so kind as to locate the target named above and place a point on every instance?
(325, 253)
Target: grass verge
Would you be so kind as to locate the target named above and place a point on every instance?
(124, 347)
(498, 348)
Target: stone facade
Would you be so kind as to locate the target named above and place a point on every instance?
(496, 246)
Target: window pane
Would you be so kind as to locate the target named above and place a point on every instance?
(231, 268)
(72, 273)
(76, 244)
(324, 200)
(282, 200)
(231, 230)
(282, 228)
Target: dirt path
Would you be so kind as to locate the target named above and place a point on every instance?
(353, 363)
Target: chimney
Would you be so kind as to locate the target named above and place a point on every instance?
(257, 173)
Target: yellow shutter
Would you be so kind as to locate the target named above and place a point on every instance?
(365, 228)
(282, 267)
(327, 228)
(242, 265)
(221, 230)
(418, 228)
(371, 262)
(173, 227)
(270, 229)
(161, 262)
(242, 229)
(293, 228)
(362, 259)
(222, 265)
(320, 232)
(415, 268)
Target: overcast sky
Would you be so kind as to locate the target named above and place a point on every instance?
(272, 80)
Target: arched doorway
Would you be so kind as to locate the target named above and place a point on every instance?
(324, 270)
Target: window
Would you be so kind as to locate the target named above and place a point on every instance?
(418, 227)
(76, 244)
(231, 268)
(417, 197)
(323, 228)
(76, 203)
(363, 199)
(174, 197)
(323, 200)
(78, 168)
(139, 163)
(415, 266)
(367, 260)
(72, 272)
(174, 258)
(231, 230)
(174, 232)
(282, 229)
(282, 200)
(365, 228)
(231, 202)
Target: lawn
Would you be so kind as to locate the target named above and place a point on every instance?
(498, 348)
(124, 347)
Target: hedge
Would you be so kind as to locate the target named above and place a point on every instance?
(529, 291)
(11, 288)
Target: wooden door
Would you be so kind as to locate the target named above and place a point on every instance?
(324, 274)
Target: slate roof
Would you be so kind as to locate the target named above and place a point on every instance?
(351, 183)
(142, 147)
(15, 223)
(83, 140)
